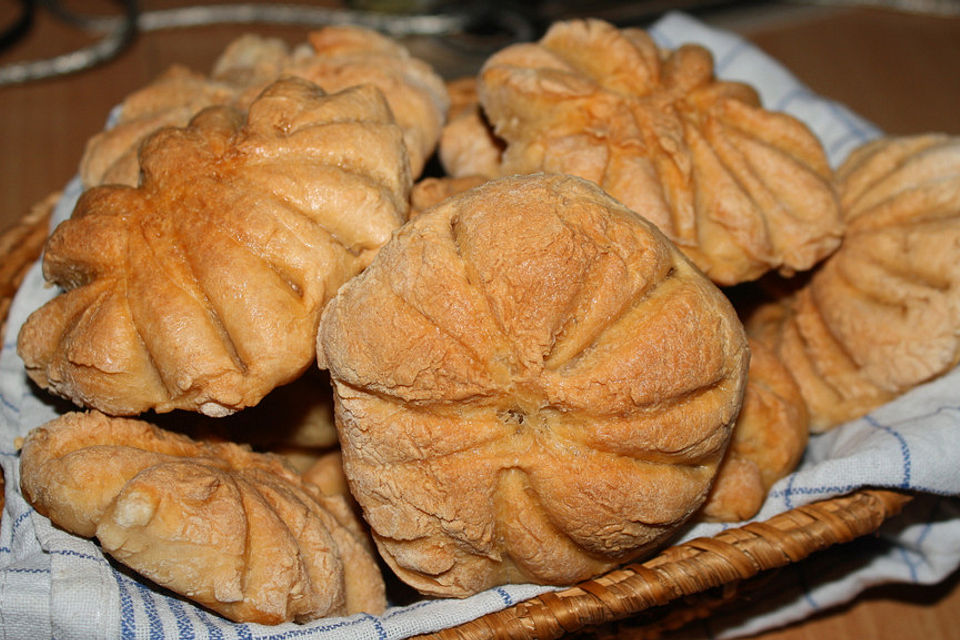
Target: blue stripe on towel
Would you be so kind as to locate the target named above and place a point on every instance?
(729, 56)
(805, 586)
(157, 631)
(77, 554)
(904, 448)
(9, 405)
(127, 615)
(184, 626)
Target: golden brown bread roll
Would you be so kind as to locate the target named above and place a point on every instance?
(882, 315)
(343, 56)
(768, 440)
(201, 289)
(337, 58)
(110, 157)
(531, 384)
(467, 144)
(741, 190)
(236, 531)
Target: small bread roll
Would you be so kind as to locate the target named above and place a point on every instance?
(741, 190)
(236, 531)
(532, 384)
(468, 146)
(201, 289)
(336, 58)
(882, 315)
(768, 440)
(341, 56)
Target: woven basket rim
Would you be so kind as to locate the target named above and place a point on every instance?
(668, 578)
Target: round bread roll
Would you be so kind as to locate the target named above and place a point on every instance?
(336, 58)
(201, 289)
(238, 532)
(882, 314)
(532, 384)
(740, 189)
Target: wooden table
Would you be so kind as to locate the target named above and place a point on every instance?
(900, 71)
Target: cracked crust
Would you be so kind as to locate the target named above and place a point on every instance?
(741, 190)
(531, 384)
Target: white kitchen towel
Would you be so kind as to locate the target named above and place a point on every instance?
(53, 584)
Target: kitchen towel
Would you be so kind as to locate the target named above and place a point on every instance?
(55, 585)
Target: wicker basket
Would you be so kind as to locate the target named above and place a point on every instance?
(680, 583)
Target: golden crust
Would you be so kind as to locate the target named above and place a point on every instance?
(201, 289)
(531, 384)
(468, 146)
(236, 531)
(111, 156)
(336, 58)
(340, 57)
(768, 440)
(881, 315)
(741, 190)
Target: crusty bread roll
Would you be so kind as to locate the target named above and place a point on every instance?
(768, 440)
(178, 94)
(882, 315)
(202, 288)
(337, 58)
(236, 531)
(531, 384)
(342, 56)
(740, 189)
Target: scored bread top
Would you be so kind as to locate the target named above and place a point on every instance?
(201, 289)
(740, 189)
(531, 384)
(882, 314)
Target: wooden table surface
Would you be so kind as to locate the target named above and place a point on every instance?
(899, 70)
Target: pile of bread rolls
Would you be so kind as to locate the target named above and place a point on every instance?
(532, 368)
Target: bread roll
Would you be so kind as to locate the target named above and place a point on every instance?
(341, 56)
(741, 190)
(236, 531)
(178, 94)
(882, 315)
(531, 385)
(201, 289)
(769, 438)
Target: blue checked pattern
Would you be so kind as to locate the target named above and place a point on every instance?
(53, 584)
